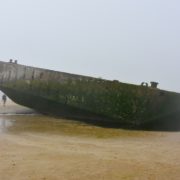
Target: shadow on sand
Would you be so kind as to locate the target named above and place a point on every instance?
(169, 124)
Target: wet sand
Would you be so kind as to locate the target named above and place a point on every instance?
(12, 108)
(37, 147)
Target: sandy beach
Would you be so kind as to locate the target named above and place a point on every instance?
(13, 108)
(34, 147)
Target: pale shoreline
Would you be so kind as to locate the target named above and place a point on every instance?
(13, 108)
(34, 151)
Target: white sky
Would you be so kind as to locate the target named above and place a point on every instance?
(128, 40)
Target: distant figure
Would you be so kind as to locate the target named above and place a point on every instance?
(4, 99)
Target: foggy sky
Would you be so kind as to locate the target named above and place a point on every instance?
(128, 40)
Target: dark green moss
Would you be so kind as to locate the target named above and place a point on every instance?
(121, 102)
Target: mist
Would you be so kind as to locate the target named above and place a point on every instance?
(131, 41)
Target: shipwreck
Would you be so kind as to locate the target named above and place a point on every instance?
(89, 99)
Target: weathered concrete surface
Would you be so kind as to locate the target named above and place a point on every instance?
(87, 98)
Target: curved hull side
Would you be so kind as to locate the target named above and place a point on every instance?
(52, 108)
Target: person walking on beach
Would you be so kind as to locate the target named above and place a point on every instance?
(4, 99)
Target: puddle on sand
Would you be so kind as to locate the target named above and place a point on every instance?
(4, 125)
(45, 124)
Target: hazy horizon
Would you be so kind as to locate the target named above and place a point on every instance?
(131, 41)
